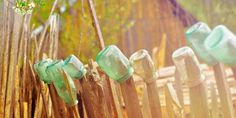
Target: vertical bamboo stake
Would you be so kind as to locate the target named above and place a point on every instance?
(144, 67)
(96, 24)
(17, 112)
(12, 65)
(25, 106)
(6, 34)
(188, 65)
(234, 71)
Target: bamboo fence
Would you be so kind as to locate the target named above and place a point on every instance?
(24, 95)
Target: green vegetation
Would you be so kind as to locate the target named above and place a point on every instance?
(77, 34)
(213, 12)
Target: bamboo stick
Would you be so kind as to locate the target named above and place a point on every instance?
(12, 64)
(7, 29)
(25, 106)
(17, 113)
(96, 24)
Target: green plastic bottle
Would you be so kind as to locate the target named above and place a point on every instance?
(40, 68)
(196, 36)
(221, 44)
(143, 64)
(74, 67)
(113, 62)
(63, 83)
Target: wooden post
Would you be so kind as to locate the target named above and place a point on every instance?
(144, 67)
(93, 94)
(131, 99)
(173, 106)
(198, 94)
(111, 89)
(224, 92)
(154, 99)
(179, 87)
(234, 71)
(188, 66)
(215, 112)
(145, 104)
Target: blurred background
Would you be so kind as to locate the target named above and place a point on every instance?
(156, 25)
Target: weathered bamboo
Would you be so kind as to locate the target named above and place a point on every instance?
(7, 20)
(16, 103)
(12, 64)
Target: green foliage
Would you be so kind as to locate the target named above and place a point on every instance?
(213, 12)
(26, 7)
(77, 35)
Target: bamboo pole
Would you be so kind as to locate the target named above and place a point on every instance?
(12, 65)
(188, 65)
(6, 34)
(17, 113)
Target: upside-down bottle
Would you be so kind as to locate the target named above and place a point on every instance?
(40, 68)
(143, 64)
(113, 62)
(63, 83)
(221, 44)
(74, 67)
(197, 35)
